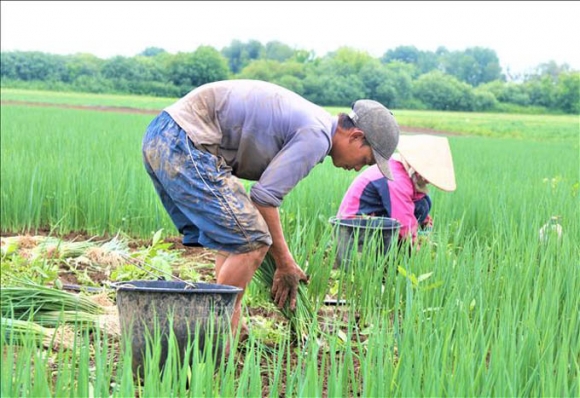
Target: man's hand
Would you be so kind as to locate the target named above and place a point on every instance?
(288, 274)
(285, 285)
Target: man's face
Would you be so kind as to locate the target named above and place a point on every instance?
(351, 153)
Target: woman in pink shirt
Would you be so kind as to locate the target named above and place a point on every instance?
(421, 160)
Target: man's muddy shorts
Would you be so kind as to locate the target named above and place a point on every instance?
(207, 204)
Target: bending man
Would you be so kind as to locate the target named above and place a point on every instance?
(198, 147)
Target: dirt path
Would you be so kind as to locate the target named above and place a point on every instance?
(123, 109)
(100, 108)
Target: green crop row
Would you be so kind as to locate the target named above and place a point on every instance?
(483, 309)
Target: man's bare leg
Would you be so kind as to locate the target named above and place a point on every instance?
(238, 270)
(220, 257)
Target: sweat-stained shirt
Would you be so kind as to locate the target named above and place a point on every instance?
(372, 194)
(264, 132)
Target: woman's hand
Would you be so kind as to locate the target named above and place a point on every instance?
(427, 223)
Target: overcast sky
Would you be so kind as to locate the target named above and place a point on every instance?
(522, 33)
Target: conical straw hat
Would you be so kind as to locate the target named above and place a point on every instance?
(431, 157)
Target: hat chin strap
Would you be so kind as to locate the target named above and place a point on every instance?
(419, 183)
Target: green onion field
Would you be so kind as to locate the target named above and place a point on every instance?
(484, 308)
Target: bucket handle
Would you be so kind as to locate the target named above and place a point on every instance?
(140, 263)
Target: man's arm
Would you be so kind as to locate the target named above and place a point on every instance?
(288, 274)
(290, 165)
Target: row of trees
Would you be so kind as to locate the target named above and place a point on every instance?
(405, 77)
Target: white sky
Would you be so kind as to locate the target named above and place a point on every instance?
(522, 33)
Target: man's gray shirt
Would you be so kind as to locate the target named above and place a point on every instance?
(264, 132)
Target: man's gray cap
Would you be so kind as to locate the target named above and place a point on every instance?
(380, 128)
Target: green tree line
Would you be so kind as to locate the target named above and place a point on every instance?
(404, 77)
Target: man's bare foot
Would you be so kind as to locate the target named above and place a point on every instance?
(244, 334)
(244, 331)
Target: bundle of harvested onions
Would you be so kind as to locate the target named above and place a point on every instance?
(301, 318)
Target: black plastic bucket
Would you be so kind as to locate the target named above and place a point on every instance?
(357, 230)
(147, 306)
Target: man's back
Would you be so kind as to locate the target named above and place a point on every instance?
(263, 131)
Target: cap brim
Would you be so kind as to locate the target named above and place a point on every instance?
(383, 165)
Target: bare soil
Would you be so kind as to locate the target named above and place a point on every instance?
(330, 318)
